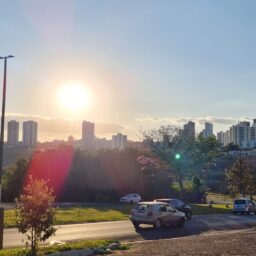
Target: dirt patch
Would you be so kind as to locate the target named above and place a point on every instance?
(238, 242)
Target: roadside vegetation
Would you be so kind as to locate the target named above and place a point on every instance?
(107, 212)
(79, 245)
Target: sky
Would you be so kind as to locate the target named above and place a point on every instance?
(143, 63)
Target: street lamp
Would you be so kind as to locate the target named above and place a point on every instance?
(2, 148)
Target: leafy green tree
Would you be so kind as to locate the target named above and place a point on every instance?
(35, 213)
(13, 180)
(185, 156)
(205, 153)
(241, 178)
(174, 148)
(232, 147)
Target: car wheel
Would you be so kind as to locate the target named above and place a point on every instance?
(189, 215)
(158, 224)
(136, 225)
(249, 212)
(131, 202)
(180, 223)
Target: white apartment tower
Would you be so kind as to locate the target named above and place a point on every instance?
(13, 133)
(224, 137)
(29, 136)
(240, 134)
(119, 141)
(88, 136)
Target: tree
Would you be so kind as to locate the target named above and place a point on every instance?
(13, 179)
(232, 147)
(35, 213)
(185, 155)
(167, 143)
(241, 178)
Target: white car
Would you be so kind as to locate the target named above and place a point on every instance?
(130, 198)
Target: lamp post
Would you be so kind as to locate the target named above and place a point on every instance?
(2, 148)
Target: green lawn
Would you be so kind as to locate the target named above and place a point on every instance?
(107, 212)
(199, 209)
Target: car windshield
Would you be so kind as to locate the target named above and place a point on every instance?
(142, 207)
(240, 202)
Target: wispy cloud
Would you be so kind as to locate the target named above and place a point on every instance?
(199, 120)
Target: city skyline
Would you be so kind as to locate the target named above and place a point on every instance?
(60, 129)
(140, 64)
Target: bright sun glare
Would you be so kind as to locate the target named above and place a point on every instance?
(74, 96)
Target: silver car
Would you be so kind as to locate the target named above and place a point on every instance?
(157, 214)
(244, 205)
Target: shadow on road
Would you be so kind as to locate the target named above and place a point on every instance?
(198, 225)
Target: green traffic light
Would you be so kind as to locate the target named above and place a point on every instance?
(177, 156)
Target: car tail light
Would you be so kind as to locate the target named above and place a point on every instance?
(150, 214)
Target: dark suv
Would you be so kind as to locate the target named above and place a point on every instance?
(179, 205)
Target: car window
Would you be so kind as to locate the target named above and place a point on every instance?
(142, 207)
(240, 201)
(175, 203)
(135, 195)
(163, 208)
(170, 209)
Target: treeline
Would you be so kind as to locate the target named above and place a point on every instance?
(77, 175)
(173, 166)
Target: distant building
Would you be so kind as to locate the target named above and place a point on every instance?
(119, 141)
(208, 130)
(13, 133)
(88, 137)
(189, 129)
(102, 143)
(240, 134)
(224, 137)
(29, 135)
(70, 140)
(220, 137)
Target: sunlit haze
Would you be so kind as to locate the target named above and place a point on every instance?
(146, 63)
(73, 96)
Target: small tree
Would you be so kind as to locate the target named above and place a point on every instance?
(35, 213)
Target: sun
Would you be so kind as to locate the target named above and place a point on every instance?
(74, 96)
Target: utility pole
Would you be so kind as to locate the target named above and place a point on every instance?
(2, 149)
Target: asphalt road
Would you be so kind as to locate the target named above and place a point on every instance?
(124, 230)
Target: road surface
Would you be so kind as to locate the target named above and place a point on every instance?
(124, 230)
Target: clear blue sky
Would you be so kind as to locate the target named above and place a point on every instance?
(145, 62)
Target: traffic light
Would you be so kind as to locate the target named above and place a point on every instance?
(177, 156)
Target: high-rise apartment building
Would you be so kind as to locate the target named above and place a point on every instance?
(29, 135)
(208, 130)
(189, 129)
(240, 134)
(223, 137)
(119, 141)
(13, 133)
(88, 136)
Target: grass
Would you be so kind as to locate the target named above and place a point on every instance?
(81, 214)
(106, 212)
(200, 209)
(85, 244)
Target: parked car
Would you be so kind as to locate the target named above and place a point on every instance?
(157, 214)
(179, 205)
(244, 205)
(130, 198)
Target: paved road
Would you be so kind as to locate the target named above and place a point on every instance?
(125, 231)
